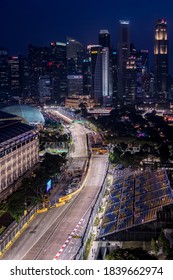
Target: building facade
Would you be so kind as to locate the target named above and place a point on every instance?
(15, 75)
(123, 54)
(37, 62)
(4, 74)
(114, 71)
(87, 77)
(75, 57)
(161, 59)
(19, 151)
(44, 88)
(95, 53)
(104, 41)
(130, 80)
(57, 69)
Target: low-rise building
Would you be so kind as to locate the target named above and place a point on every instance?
(75, 101)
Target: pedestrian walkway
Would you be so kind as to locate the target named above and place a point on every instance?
(93, 250)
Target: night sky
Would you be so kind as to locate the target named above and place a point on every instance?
(41, 21)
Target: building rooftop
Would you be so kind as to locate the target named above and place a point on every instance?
(7, 116)
(136, 199)
(104, 31)
(30, 114)
(11, 126)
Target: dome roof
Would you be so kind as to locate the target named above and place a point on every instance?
(31, 114)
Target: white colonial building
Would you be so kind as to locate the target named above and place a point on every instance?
(19, 151)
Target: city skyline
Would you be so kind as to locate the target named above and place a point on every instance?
(52, 21)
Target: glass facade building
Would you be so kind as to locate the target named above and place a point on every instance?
(123, 54)
(161, 59)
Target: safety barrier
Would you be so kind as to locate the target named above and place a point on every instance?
(93, 212)
(16, 229)
(8, 238)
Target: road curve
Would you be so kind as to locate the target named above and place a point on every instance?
(46, 234)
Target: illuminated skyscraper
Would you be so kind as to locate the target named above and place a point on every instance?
(104, 41)
(123, 54)
(161, 59)
(95, 53)
(106, 81)
(75, 56)
(57, 70)
(104, 38)
(4, 73)
(142, 73)
(38, 60)
(114, 71)
(44, 88)
(87, 76)
(131, 80)
(15, 74)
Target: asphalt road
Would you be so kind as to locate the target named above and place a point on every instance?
(46, 234)
(79, 140)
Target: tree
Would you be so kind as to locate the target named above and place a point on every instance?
(154, 246)
(164, 153)
(163, 241)
(130, 254)
(83, 109)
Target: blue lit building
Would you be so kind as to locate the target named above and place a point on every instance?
(30, 114)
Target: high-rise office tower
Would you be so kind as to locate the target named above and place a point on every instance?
(144, 54)
(139, 80)
(44, 87)
(143, 73)
(87, 76)
(4, 74)
(123, 54)
(106, 77)
(104, 38)
(161, 59)
(38, 61)
(104, 41)
(15, 75)
(130, 80)
(57, 69)
(114, 71)
(151, 85)
(75, 56)
(95, 52)
(24, 78)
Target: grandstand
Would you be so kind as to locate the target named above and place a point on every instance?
(134, 204)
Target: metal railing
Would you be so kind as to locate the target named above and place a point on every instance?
(14, 230)
(91, 218)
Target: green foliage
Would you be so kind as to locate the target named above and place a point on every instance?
(169, 255)
(154, 246)
(164, 243)
(16, 205)
(88, 246)
(2, 228)
(97, 221)
(3, 208)
(129, 254)
(164, 153)
(101, 209)
(33, 187)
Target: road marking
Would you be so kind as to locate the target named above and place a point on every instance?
(68, 240)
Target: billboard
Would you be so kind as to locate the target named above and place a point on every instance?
(49, 186)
